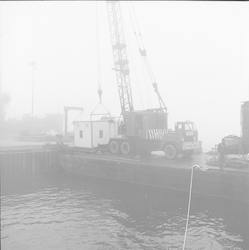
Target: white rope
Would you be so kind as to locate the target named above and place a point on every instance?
(189, 202)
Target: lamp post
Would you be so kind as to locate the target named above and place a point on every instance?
(33, 65)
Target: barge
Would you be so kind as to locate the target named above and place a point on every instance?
(230, 183)
(93, 156)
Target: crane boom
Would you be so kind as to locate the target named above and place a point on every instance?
(119, 55)
(145, 130)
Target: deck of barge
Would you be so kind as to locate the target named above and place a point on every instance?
(157, 158)
(11, 145)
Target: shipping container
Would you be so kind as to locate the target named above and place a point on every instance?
(89, 134)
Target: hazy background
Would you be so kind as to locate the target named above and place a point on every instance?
(199, 52)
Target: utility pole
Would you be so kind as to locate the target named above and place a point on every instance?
(33, 65)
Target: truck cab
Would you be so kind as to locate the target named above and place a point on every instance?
(187, 130)
(183, 140)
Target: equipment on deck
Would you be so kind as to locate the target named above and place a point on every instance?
(145, 130)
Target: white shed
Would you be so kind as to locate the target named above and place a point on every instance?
(88, 134)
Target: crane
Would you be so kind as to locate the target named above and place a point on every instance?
(147, 130)
(136, 128)
(121, 62)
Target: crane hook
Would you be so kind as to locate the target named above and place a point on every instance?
(100, 94)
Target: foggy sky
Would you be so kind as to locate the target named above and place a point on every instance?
(199, 53)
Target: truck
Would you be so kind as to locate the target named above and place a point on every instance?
(143, 131)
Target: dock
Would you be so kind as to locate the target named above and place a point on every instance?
(19, 159)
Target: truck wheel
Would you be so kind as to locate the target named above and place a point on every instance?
(114, 147)
(125, 148)
(170, 151)
(187, 153)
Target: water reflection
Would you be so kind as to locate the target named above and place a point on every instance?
(67, 213)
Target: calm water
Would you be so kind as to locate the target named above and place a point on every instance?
(68, 213)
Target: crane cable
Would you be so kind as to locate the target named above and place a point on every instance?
(99, 79)
(143, 51)
(133, 65)
(140, 44)
(143, 65)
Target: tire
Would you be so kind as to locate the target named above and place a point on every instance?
(187, 153)
(114, 147)
(125, 148)
(170, 151)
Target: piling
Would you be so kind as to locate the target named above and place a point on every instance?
(15, 163)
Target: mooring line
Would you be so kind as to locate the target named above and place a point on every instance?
(189, 203)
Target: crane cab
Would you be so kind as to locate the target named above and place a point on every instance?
(141, 123)
(140, 131)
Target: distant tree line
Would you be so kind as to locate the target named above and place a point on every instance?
(28, 125)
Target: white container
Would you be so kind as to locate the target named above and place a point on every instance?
(88, 134)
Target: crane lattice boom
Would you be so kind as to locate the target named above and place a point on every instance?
(120, 55)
